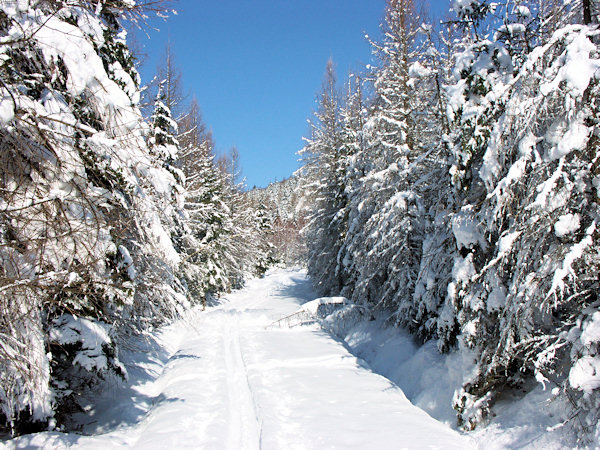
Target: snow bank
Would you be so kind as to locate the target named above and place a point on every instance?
(430, 380)
(314, 305)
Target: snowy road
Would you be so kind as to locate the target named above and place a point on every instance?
(229, 381)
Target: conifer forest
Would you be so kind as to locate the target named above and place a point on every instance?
(450, 191)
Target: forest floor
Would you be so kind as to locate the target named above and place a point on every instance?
(235, 377)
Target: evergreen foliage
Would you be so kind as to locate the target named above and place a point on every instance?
(98, 236)
(325, 168)
(460, 198)
(467, 205)
(280, 207)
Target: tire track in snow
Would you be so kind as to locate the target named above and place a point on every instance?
(244, 429)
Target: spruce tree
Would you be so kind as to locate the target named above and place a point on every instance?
(325, 168)
(79, 227)
(386, 217)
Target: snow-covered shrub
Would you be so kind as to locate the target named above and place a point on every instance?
(83, 353)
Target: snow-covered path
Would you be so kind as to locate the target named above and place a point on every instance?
(230, 381)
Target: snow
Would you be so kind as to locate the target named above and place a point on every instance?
(7, 109)
(313, 306)
(591, 332)
(426, 377)
(575, 252)
(463, 268)
(585, 374)
(59, 38)
(161, 180)
(506, 242)
(163, 239)
(545, 188)
(579, 68)
(464, 227)
(464, 6)
(430, 380)
(40, 395)
(496, 299)
(69, 329)
(566, 224)
(566, 138)
(224, 379)
(512, 29)
(523, 11)
(417, 70)
(127, 262)
(491, 167)
(516, 171)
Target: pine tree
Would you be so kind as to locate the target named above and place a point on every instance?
(167, 79)
(207, 216)
(250, 254)
(353, 117)
(469, 205)
(164, 146)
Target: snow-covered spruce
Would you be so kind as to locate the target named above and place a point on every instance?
(223, 237)
(524, 284)
(468, 208)
(84, 254)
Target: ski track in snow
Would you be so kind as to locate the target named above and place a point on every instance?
(228, 380)
(244, 427)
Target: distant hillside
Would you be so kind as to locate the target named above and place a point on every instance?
(281, 203)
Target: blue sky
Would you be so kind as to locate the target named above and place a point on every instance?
(255, 67)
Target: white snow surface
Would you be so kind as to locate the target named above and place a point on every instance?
(465, 229)
(585, 374)
(532, 418)
(225, 379)
(313, 305)
(7, 110)
(566, 224)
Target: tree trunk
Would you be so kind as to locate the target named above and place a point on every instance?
(587, 12)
